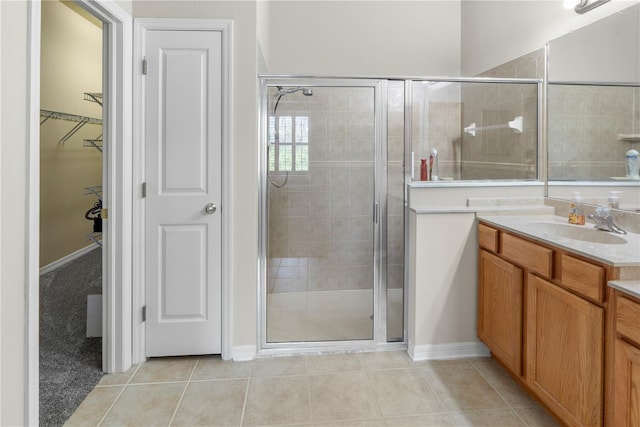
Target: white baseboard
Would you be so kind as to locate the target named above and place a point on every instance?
(64, 260)
(461, 350)
(243, 353)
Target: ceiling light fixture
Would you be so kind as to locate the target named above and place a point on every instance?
(570, 4)
(583, 6)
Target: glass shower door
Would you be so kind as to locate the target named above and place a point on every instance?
(320, 239)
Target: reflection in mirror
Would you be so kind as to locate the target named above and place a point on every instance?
(593, 108)
(591, 128)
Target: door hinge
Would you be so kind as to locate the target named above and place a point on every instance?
(104, 213)
(144, 313)
(144, 65)
(144, 190)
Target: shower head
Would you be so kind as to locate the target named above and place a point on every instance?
(282, 91)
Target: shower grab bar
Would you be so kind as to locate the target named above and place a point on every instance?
(515, 124)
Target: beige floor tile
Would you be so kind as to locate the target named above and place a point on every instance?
(353, 423)
(460, 386)
(118, 378)
(277, 400)
(333, 363)
(278, 366)
(503, 383)
(165, 369)
(212, 403)
(145, 405)
(428, 420)
(431, 363)
(341, 396)
(214, 368)
(403, 392)
(385, 360)
(94, 406)
(536, 416)
(491, 418)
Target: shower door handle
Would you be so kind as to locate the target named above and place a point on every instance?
(210, 208)
(375, 213)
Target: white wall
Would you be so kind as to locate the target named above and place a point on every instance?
(372, 38)
(127, 5)
(443, 262)
(494, 32)
(262, 32)
(13, 179)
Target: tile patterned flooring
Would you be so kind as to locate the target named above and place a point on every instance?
(359, 389)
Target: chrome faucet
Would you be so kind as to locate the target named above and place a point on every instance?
(604, 220)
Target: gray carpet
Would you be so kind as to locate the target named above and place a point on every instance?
(70, 363)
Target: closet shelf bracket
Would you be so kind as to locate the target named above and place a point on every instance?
(96, 190)
(79, 120)
(93, 97)
(95, 237)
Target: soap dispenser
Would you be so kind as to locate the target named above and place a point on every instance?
(633, 164)
(576, 210)
(614, 199)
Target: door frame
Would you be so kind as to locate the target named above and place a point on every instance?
(117, 178)
(141, 27)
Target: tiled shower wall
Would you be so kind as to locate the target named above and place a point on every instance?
(320, 232)
(441, 111)
(395, 188)
(584, 124)
(502, 153)
(435, 123)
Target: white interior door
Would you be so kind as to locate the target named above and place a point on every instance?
(183, 117)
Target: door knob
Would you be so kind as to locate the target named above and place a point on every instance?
(210, 208)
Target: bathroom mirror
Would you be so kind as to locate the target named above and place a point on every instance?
(593, 103)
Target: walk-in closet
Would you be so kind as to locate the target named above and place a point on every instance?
(71, 213)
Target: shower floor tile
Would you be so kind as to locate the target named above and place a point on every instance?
(328, 315)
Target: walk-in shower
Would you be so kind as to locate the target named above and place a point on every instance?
(333, 176)
(329, 263)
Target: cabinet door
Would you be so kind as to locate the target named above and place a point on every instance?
(626, 402)
(565, 346)
(500, 309)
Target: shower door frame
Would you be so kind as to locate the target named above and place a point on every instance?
(379, 216)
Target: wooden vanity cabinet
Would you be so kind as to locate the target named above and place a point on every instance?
(565, 352)
(624, 403)
(500, 297)
(541, 313)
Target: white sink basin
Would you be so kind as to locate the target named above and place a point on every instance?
(584, 233)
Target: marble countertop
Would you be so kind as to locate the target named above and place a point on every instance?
(532, 226)
(631, 287)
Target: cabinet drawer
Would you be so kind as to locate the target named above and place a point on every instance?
(534, 257)
(488, 238)
(628, 318)
(582, 277)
